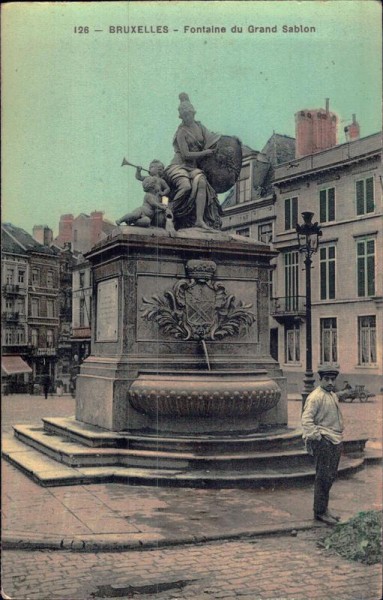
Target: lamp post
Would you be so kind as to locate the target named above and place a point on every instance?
(308, 239)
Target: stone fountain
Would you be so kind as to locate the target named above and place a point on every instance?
(180, 387)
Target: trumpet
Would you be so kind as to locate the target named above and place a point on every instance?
(125, 162)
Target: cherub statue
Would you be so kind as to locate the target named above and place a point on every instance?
(156, 169)
(152, 205)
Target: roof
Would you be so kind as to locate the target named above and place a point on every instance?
(331, 158)
(246, 150)
(229, 200)
(16, 240)
(279, 148)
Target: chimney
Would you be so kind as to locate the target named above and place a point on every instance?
(96, 218)
(65, 229)
(315, 130)
(38, 233)
(48, 236)
(43, 234)
(352, 131)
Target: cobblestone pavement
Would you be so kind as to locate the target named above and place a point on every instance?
(273, 568)
(23, 408)
(287, 567)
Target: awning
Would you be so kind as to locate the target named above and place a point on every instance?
(12, 365)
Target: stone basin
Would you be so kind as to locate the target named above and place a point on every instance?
(204, 397)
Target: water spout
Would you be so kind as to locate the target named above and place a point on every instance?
(206, 354)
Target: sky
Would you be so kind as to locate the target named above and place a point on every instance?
(75, 104)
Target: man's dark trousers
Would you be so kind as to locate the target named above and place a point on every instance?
(327, 457)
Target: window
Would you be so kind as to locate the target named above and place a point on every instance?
(327, 205)
(35, 307)
(366, 267)
(327, 272)
(8, 336)
(367, 340)
(82, 279)
(9, 304)
(291, 279)
(10, 273)
(291, 213)
(82, 312)
(271, 277)
(292, 344)
(265, 233)
(35, 276)
(21, 306)
(50, 279)
(50, 309)
(34, 337)
(244, 190)
(328, 341)
(49, 338)
(75, 235)
(245, 232)
(365, 196)
(21, 276)
(20, 336)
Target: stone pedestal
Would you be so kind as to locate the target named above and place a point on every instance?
(188, 305)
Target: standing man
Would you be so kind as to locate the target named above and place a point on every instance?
(46, 384)
(322, 425)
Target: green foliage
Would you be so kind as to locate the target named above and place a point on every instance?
(358, 539)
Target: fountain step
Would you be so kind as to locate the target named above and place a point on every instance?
(75, 454)
(93, 436)
(48, 472)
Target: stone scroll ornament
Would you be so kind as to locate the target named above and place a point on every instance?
(198, 308)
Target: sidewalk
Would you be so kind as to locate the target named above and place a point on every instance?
(117, 516)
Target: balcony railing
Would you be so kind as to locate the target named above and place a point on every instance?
(13, 341)
(11, 288)
(11, 317)
(288, 307)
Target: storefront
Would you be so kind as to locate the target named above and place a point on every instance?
(15, 375)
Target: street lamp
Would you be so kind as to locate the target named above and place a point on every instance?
(308, 239)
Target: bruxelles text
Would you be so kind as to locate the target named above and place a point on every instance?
(208, 29)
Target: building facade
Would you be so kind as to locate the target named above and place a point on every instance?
(81, 309)
(30, 278)
(342, 186)
(64, 343)
(83, 231)
(14, 311)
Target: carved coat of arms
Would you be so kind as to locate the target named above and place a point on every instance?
(199, 308)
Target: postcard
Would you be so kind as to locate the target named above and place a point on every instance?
(192, 238)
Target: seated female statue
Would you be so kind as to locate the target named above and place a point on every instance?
(194, 201)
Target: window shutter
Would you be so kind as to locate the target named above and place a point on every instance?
(371, 275)
(287, 213)
(322, 206)
(323, 287)
(294, 212)
(331, 204)
(370, 194)
(360, 197)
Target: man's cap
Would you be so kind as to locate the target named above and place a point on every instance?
(328, 370)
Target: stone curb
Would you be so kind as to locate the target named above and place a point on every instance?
(118, 543)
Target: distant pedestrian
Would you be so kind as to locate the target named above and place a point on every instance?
(46, 385)
(322, 425)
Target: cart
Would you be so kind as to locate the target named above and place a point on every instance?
(352, 393)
